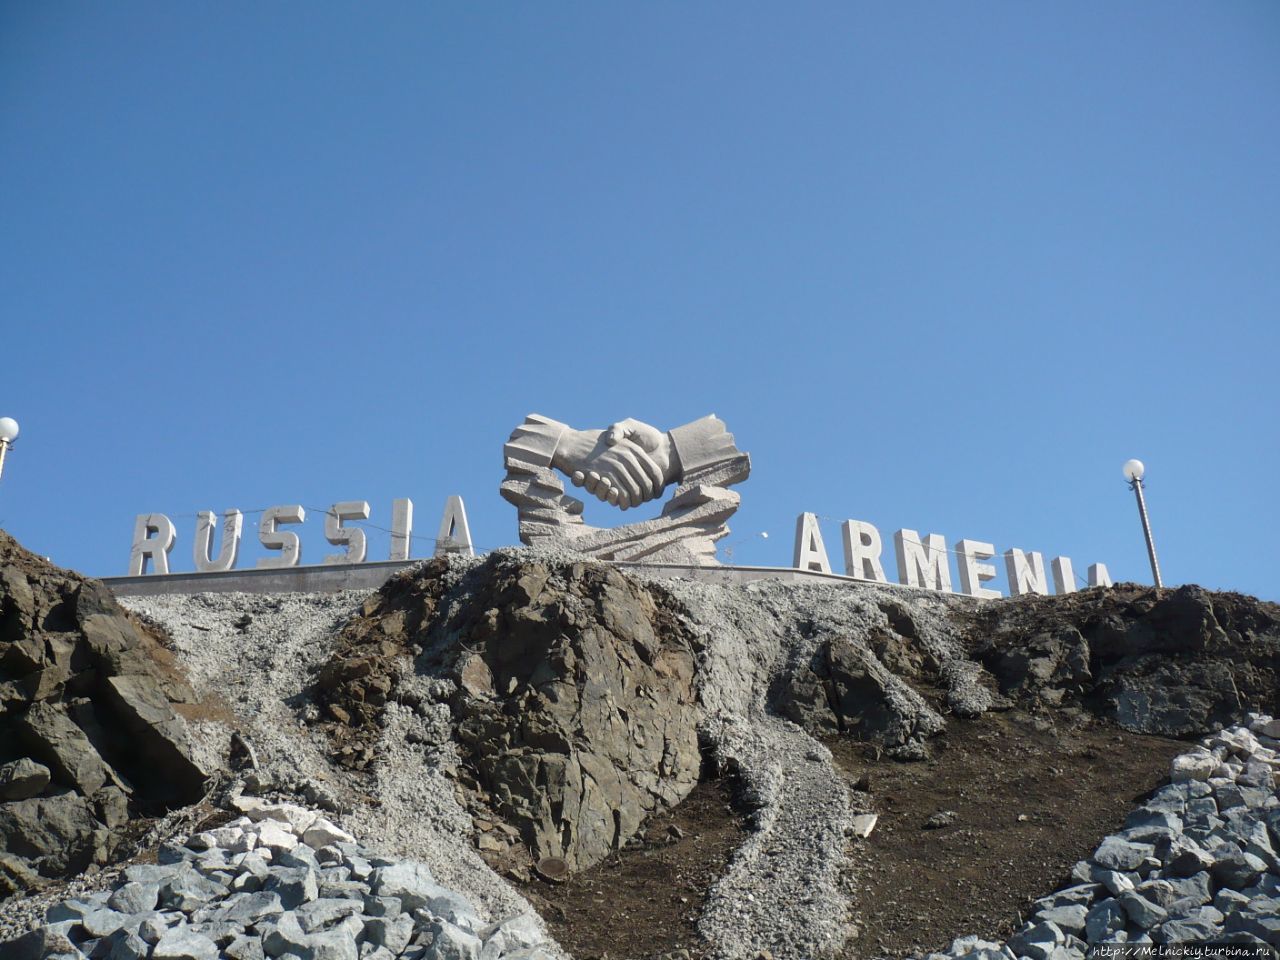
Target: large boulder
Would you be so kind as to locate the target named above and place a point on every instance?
(22, 779)
(55, 836)
(574, 708)
(575, 704)
(89, 733)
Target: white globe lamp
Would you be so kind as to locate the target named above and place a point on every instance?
(8, 434)
(1134, 471)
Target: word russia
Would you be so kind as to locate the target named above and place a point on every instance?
(925, 563)
(154, 536)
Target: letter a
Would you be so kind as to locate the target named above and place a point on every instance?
(454, 535)
(810, 552)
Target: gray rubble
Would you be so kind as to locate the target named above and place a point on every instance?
(1196, 862)
(281, 881)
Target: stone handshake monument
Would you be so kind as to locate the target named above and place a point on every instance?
(626, 464)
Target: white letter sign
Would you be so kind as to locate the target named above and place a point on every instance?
(974, 574)
(228, 546)
(922, 563)
(352, 538)
(401, 528)
(1064, 577)
(154, 548)
(274, 539)
(862, 548)
(1026, 572)
(1098, 575)
(810, 553)
(454, 535)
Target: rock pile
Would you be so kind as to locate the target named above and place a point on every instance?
(88, 731)
(280, 882)
(1196, 862)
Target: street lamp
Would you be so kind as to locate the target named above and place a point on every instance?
(8, 434)
(1133, 471)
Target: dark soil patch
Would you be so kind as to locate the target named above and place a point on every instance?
(1032, 795)
(645, 900)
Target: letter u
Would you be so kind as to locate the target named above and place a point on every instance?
(228, 549)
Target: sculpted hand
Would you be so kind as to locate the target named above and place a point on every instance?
(655, 443)
(626, 465)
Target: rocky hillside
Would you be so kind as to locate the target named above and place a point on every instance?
(1179, 662)
(520, 723)
(90, 736)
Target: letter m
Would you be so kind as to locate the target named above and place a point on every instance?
(922, 563)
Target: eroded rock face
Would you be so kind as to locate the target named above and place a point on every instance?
(88, 730)
(575, 705)
(1174, 662)
(845, 688)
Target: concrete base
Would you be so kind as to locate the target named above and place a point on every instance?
(318, 578)
(331, 578)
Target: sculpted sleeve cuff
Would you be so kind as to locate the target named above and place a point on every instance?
(535, 440)
(702, 443)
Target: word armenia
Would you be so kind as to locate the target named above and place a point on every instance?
(925, 563)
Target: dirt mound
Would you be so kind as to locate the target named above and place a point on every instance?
(89, 733)
(645, 900)
(1029, 795)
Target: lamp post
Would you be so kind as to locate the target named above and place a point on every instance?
(8, 434)
(1133, 472)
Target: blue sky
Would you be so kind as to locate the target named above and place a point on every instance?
(938, 266)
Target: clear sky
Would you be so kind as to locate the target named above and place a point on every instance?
(938, 266)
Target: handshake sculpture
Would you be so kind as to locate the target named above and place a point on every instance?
(626, 464)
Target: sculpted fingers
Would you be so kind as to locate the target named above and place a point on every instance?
(654, 473)
(621, 470)
(635, 472)
(626, 475)
(602, 485)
